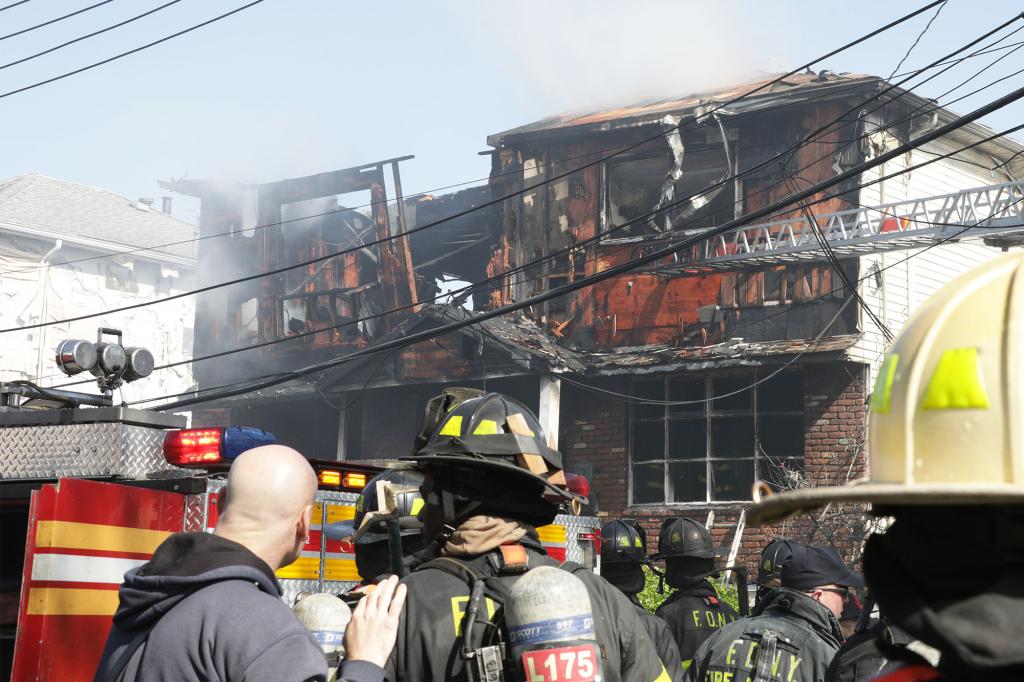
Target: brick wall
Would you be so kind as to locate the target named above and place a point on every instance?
(594, 440)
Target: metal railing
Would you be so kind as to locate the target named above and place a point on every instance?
(992, 210)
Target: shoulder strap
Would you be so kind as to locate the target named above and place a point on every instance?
(124, 657)
(572, 567)
(456, 567)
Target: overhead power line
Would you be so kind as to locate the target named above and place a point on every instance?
(421, 193)
(460, 292)
(13, 4)
(54, 21)
(919, 36)
(482, 206)
(88, 35)
(658, 254)
(503, 275)
(127, 53)
(524, 190)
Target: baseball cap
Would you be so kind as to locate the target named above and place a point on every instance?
(813, 566)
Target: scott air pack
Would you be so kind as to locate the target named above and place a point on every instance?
(550, 626)
(326, 616)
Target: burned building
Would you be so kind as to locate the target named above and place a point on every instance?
(673, 387)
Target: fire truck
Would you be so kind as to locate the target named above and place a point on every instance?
(89, 489)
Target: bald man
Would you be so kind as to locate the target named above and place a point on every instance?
(208, 607)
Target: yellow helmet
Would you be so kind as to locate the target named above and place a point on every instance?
(946, 424)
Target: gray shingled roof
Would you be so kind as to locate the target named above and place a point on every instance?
(39, 204)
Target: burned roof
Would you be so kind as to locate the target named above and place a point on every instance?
(791, 90)
(59, 209)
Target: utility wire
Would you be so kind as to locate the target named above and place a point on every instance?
(711, 233)
(53, 21)
(466, 290)
(68, 74)
(530, 188)
(156, 247)
(840, 271)
(642, 260)
(87, 36)
(919, 36)
(470, 287)
(789, 307)
(409, 232)
(13, 4)
(633, 400)
(492, 202)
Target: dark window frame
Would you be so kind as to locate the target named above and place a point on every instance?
(764, 464)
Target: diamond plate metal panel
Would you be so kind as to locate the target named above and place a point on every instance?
(291, 589)
(110, 449)
(195, 513)
(574, 525)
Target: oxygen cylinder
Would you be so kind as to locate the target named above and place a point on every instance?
(326, 617)
(550, 626)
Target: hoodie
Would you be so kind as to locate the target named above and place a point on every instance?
(213, 610)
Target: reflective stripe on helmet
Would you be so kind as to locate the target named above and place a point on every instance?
(956, 382)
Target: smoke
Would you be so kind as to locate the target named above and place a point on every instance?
(573, 55)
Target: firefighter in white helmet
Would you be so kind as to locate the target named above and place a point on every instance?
(947, 464)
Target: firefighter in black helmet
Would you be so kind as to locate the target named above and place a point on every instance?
(694, 611)
(490, 480)
(623, 557)
(375, 555)
(769, 569)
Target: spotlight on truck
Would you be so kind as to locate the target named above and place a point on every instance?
(108, 360)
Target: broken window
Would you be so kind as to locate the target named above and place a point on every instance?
(320, 295)
(665, 192)
(707, 439)
(634, 188)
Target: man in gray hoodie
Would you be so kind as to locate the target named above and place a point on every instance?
(208, 607)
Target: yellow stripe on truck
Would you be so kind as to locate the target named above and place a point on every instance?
(72, 535)
(340, 512)
(341, 569)
(65, 601)
(303, 568)
(554, 534)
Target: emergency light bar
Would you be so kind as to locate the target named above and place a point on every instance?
(333, 478)
(203, 447)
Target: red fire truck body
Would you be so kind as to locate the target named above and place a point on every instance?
(88, 493)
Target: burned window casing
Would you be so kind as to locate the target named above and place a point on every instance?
(633, 190)
(708, 438)
(662, 188)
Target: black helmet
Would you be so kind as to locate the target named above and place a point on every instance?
(683, 537)
(495, 433)
(438, 408)
(623, 540)
(405, 484)
(488, 454)
(773, 557)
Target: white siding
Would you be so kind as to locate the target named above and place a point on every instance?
(910, 277)
(30, 294)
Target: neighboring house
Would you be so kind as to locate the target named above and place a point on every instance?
(673, 388)
(62, 254)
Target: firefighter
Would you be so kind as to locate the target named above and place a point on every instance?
(769, 569)
(694, 611)
(865, 655)
(793, 633)
(946, 449)
(373, 546)
(623, 557)
(490, 480)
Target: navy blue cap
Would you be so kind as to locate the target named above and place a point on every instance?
(814, 566)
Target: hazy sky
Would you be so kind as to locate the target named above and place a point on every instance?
(293, 87)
